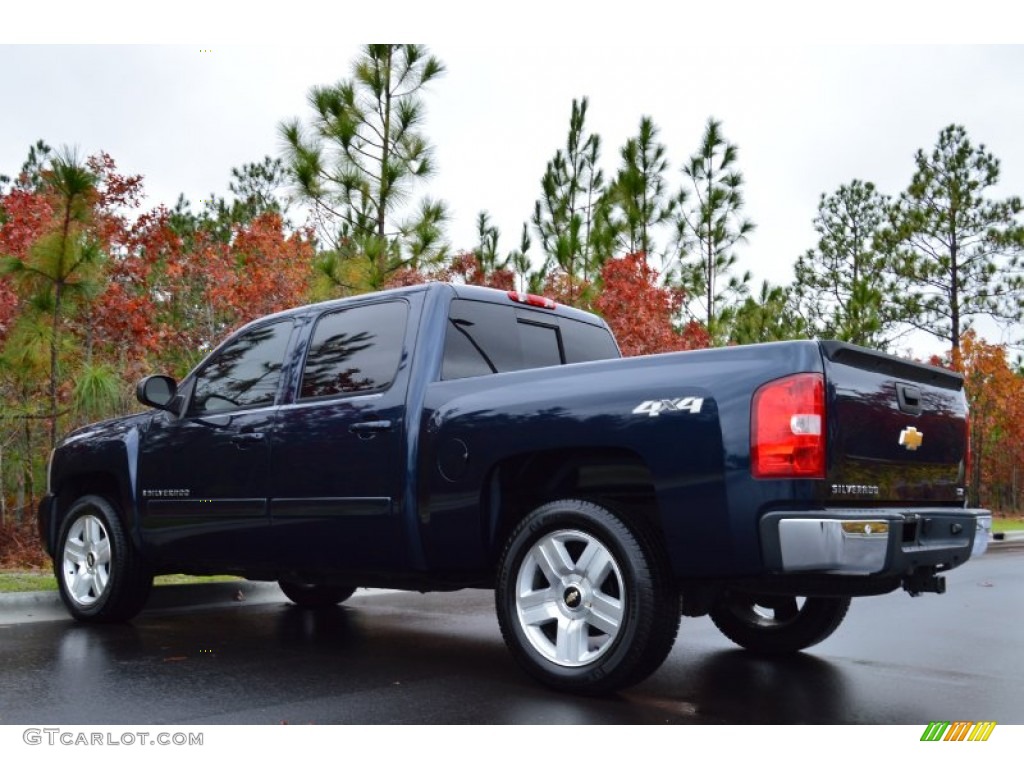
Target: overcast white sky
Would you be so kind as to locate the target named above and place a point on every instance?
(805, 118)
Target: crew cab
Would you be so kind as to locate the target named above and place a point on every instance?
(440, 437)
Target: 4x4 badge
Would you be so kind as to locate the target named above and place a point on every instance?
(911, 439)
(654, 407)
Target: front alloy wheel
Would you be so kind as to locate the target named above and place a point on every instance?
(86, 567)
(102, 578)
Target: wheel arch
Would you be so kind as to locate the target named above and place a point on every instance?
(614, 477)
(97, 482)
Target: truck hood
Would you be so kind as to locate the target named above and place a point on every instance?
(107, 429)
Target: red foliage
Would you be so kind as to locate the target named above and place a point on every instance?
(26, 216)
(8, 308)
(116, 195)
(406, 276)
(177, 297)
(29, 215)
(640, 312)
(113, 189)
(124, 314)
(573, 292)
(466, 268)
(263, 270)
(20, 548)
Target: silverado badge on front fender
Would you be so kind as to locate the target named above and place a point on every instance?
(654, 407)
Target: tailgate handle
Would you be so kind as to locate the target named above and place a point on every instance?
(909, 398)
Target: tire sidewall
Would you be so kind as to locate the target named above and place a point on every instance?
(817, 619)
(589, 519)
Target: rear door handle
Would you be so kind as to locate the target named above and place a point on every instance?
(368, 429)
(247, 439)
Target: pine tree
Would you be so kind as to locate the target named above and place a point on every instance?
(843, 286)
(60, 267)
(358, 162)
(713, 225)
(770, 316)
(959, 250)
(639, 195)
(564, 216)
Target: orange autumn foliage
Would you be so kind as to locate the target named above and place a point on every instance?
(995, 396)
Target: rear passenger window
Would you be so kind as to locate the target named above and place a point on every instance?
(355, 351)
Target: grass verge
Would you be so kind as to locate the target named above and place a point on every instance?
(1007, 524)
(43, 581)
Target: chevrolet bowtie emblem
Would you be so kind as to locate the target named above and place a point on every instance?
(911, 439)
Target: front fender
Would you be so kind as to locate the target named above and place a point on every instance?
(99, 459)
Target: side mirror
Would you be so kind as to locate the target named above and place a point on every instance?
(156, 391)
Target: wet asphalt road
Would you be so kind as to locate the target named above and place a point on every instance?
(409, 658)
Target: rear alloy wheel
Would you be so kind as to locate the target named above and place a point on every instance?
(315, 595)
(778, 624)
(571, 612)
(585, 604)
(100, 575)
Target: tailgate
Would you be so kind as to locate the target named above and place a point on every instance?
(897, 430)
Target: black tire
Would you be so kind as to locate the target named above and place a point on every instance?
(603, 617)
(776, 624)
(315, 595)
(102, 578)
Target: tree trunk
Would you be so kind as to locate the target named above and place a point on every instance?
(54, 347)
(384, 192)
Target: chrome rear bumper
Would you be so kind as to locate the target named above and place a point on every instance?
(871, 542)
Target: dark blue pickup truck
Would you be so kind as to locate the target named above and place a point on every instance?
(441, 437)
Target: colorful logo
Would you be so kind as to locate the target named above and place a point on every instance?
(960, 730)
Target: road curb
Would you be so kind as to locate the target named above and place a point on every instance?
(1008, 540)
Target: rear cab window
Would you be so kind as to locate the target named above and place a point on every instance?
(483, 338)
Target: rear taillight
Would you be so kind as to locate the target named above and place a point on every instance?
(787, 428)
